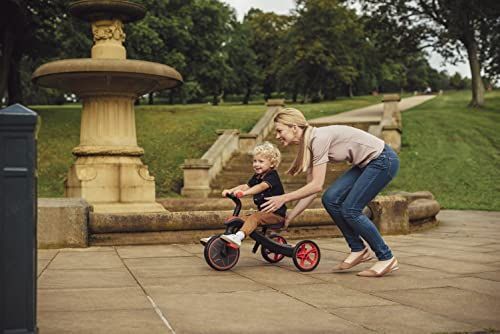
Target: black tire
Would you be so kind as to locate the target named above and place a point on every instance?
(219, 255)
(270, 256)
(306, 255)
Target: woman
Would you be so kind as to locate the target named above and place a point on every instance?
(374, 165)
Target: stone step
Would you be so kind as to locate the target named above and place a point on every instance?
(232, 178)
(248, 171)
(247, 158)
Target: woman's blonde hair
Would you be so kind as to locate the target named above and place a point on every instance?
(268, 151)
(291, 117)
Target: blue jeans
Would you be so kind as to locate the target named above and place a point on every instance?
(348, 195)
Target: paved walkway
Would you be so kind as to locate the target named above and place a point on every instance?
(449, 281)
(373, 112)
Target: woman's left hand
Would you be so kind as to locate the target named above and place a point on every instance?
(273, 203)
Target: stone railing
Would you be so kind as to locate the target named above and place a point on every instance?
(263, 127)
(199, 173)
(390, 127)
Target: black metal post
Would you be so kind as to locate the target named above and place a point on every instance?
(18, 214)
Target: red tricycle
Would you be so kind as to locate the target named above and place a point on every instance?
(221, 255)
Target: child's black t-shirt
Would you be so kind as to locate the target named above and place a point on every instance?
(275, 188)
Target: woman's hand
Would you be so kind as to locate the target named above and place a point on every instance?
(287, 222)
(273, 203)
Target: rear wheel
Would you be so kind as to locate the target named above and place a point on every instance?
(306, 255)
(219, 255)
(270, 256)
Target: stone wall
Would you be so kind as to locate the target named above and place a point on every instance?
(62, 222)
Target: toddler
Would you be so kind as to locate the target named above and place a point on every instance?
(264, 183)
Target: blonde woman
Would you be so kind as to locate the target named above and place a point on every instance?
(374, 165)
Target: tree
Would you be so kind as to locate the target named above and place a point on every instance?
(267, 33)
(163, 35)
(26, 29)
(189, 35)
(447, 24)
(321, 54)
(390, 54)
(212, 23)
(243, 61)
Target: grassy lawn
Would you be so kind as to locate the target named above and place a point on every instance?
(453, 151)
(168, 134)
(448, 149)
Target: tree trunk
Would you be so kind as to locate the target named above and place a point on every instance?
(349, 90)
(151, 98)
(14, 89)
(5, 60)
(215, 99)
(305, 97)
(475, 70)
(246, 98)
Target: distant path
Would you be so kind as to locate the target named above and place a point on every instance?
(373, 112)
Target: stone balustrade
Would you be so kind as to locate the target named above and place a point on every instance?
(390, 127)
(198, 173)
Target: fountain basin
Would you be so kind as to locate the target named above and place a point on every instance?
(112, 76)
(93, 10)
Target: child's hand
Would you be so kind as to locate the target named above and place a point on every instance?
(225, 192)
(239, 193)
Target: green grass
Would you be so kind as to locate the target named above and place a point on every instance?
(168, 134)
(453, 151)
(448, 149)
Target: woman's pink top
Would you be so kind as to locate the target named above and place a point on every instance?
(344, 143)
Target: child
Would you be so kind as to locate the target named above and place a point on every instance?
(264, 183)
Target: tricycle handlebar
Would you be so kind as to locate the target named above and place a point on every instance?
(236, 201)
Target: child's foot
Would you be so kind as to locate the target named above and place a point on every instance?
(232, 239)
(204, 241)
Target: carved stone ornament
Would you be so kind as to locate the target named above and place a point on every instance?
(144, 173)
(111, 30)
(86, 174)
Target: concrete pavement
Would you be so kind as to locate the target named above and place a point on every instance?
(371, 113)
(449, 281)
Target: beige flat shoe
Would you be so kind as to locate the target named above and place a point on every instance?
(363, 257)
(392, 266)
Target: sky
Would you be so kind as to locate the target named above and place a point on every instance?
(284, 7)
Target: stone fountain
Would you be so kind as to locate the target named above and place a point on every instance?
(108, 171)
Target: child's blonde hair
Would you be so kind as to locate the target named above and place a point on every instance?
(268, 151)
(291, 117)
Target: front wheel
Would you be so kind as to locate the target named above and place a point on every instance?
(270, 256)
(306, 255)
(219, 255)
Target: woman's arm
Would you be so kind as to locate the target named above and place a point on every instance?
(315, 181)
(301, 205)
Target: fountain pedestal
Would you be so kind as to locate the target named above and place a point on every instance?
(108, 171)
